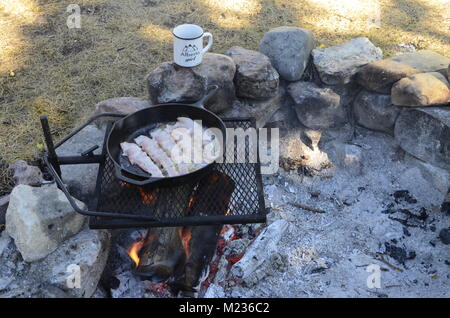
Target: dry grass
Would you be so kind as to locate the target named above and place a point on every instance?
(46, 68)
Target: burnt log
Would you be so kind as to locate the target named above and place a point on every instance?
(180, 255)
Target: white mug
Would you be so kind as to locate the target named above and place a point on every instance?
(188, 44)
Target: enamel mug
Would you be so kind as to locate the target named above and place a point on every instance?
(188, 47)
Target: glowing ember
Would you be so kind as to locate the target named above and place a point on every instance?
(191, 201)
(147, 198)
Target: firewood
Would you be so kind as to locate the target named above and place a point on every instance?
(265, 244)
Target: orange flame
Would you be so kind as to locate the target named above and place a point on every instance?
(147, 197)
(134, 251)
(185, 236)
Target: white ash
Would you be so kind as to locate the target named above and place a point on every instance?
(327, 254)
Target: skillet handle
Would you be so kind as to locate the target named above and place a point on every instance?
(212, 90)
(122, 177)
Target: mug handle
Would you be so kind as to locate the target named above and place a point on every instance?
(210, 42)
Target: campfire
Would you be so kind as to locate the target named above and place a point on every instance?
(184, 237)
(179, 256)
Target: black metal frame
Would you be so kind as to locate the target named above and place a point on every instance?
(113, 220)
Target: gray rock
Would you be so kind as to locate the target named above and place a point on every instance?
(88, 251)
(120, 105)
(423, 89)
(284, 118)
(317, 108)
(255, 77)
(338, 64)
(427, 183)
(375, 111)
(444, 235)
(39, 219)
(379, 76)
(425, 134)
(26, 174)
(85, 253)
(172, 83)
(288, 48)
(80, 179)
(261, 110)
(347, 92)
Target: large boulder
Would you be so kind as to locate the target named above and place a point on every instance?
(23, 173)
(423, 89)
(425, 134)
(120, 105)
(255, 77)
(39, 219)
(317, 108)
(379, 76)
(81, 179)
(338, 64)
(73, 270)
(288, 48)
(170, 83)
(261, 110)
(375, 111)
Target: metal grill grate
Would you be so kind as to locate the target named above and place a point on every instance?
(196, 203)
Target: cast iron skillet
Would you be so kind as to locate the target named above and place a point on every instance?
(144, 120)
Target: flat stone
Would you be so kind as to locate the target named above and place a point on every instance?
(39, 219)
(375, 111)
(170, 83)
(425, 134)
(23, 173)
(255, 77)
(120, 105)
(317, 108)
(288, 48)
(423, 89)
(379, 76)
(56, 275)
(427, 183)
(81, 179)
(84, 254)
(261, 110)
(338, 64)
